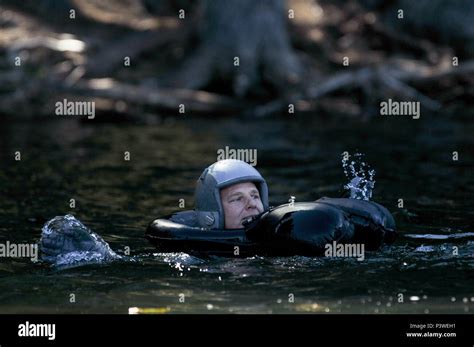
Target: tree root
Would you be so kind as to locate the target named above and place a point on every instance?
(394, 77)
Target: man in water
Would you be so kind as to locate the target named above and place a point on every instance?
(229, 192)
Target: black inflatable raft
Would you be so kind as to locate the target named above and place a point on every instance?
(292, 229)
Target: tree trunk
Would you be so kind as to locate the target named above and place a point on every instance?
(243, 43)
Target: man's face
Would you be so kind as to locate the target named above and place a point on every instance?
(240, 201)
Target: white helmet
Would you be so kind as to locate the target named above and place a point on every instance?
(219, 175)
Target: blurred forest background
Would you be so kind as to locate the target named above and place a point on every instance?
(139, 58)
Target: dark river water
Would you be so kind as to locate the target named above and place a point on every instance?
(66, 159)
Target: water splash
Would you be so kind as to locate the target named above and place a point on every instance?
(360, 176)
(66, 242)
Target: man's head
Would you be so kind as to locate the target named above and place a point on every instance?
(240, 201)
(227, 192)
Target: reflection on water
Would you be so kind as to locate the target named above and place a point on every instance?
(64, 160)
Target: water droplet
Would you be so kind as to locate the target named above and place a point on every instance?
(357, 171)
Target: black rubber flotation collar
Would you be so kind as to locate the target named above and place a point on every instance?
(290, 229)
(169, 236)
